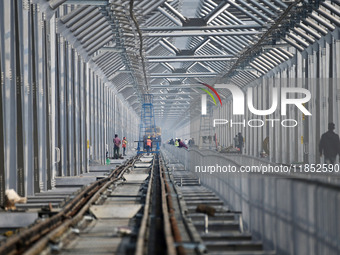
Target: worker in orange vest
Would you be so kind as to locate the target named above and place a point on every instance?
(148, 144)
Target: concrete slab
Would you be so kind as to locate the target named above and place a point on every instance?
(117, 161)
(142, 165)
(100, 168)
(136, 177)
(17, 219)
(115, 210)
(74, 180)
(146, 160)
(122, 190)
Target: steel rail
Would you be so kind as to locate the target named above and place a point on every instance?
(141, 238)
(171, 231)
(168, 210)
(59, 223)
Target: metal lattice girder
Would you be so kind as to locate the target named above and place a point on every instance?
(202, 28)
(87, 2)
(195, 58)
(179, 75)
(234, 40)
(193, 33)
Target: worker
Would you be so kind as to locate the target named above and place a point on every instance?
(191, 142)
(116, 142)
(186, 142)
(236, 141)
(240, 142)
(181, 144)
(124, 143)
(148, 144)
(176, 142)
(329, 145)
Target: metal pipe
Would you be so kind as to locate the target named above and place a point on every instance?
(309, 31)
(150, 9)
(303, 35)
(297, 39)
(175, 12)
(315, 26)
(262, 7)
(294, 44)
(329, 17)
(237, 6)
(216, 12)
(254, 10)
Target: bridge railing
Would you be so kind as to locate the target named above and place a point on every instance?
(291, 213)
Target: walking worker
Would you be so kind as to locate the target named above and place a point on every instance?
(124, 143)
(116, 142)
(148, 144)
(176, 142)
(329, 145)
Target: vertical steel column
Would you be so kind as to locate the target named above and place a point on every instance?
(82, 141)
(21, 187)
(26, 48)
(52, 96)
(35, 98)
(9, 95)
(63, 107)
(93, 115)
(75, 113)
(271, 130)
(41, 98)
(318, 106)
(299, 129)
(266, 105)
(72, 130)
(47, 89)
(284, 131)
(100, 120)
(2, 142)
(87, 112)
(306, 121)
(336, 82)
(67, 109)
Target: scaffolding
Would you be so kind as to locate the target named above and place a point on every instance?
(148, 127)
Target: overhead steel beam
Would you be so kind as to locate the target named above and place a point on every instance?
(188, 86)
(253, 17)
(197, 58)
(169, 46)
(187, 34)
(203, 28)
(173, 19)
(88, 2)
(182, 75)
(175, 12)
(216, 11)
(113, 49)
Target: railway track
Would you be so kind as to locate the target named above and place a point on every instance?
(149, 205)
(220, 229)
(35, 238)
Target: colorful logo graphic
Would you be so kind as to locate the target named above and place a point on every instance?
(204, 97)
